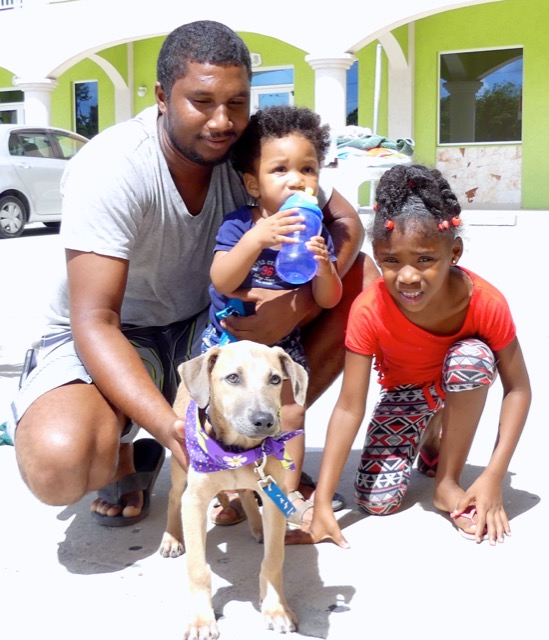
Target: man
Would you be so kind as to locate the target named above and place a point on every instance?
(142, 204)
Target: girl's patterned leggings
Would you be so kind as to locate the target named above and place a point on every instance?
(399, 420)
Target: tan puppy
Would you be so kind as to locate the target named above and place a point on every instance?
(240, 384)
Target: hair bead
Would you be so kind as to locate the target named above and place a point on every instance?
(443, 225)
(389, 224)
(456, 221)
(376, 206)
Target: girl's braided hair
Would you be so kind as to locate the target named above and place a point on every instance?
(414, 193)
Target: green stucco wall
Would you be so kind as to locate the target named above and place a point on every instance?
(275, 53)
(500, 24)
(6, 77)
(62, 103)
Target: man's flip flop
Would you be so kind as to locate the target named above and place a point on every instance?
(148, 455)
(468, 514)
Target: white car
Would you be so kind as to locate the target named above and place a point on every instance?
(32, 161)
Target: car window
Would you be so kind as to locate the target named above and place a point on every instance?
(15, 146)
(69, 145)
(30, 145)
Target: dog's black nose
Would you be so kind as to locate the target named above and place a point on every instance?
(263, 420)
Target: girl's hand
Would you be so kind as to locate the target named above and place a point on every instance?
(490, 518)
(324, 527)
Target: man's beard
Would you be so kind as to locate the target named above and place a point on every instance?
(188, 153)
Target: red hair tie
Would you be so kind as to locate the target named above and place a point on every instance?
(375, 207)
(456, 221)
(389, 224)
(444, 225)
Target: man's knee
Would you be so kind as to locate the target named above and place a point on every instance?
(51, 475)
(58, 468)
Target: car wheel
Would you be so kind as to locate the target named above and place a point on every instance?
(12, 217)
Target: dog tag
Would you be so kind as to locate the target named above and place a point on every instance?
(279, 498)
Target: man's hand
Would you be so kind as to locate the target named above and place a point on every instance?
(178, 445)
(277, 313)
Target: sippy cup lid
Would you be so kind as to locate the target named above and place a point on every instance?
(302, 199)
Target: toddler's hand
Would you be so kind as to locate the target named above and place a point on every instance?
(274, 230)
(317, 245)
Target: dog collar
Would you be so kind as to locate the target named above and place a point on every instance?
(206, 455)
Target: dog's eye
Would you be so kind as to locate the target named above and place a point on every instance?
(233, 378)
(276, 379)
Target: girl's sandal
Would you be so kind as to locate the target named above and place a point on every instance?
(469, 515)
(427, 466)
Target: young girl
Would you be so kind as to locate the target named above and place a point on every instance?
(281, 152)
(437, 334)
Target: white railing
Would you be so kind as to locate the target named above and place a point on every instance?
(10, 4)
(28, 4)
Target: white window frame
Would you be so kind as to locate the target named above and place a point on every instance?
(471, 143)
(272, 88)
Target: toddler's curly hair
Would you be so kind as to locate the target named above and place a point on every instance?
(278, 122)
(414, 193)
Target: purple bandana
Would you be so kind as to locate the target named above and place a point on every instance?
(206, 455)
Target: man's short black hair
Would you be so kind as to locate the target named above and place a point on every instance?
(203, 41)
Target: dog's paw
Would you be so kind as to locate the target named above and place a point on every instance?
(257, 532)
(202, 629)
(170, 547)
(279, 618)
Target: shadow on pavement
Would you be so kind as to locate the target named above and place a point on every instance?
(232, 551)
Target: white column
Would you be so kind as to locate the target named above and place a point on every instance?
(37, 99)
(463, 107)
(331, 87)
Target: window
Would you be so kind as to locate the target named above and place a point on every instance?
(86, 108)
(272, 86)
(31, 142)
(34, 144)
(11, 106)
(352, 94)
(68, 145)
(481, 97)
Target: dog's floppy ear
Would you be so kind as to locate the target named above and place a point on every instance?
(297, 375)
(195, 375)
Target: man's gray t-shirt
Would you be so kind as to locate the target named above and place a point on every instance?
(120, 200)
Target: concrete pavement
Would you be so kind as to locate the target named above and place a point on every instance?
(406, 575)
